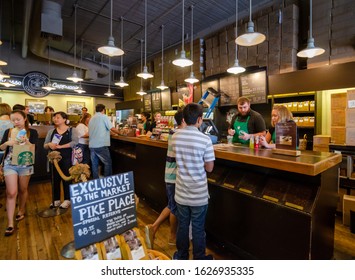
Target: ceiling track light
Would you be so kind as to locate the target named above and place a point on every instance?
(250, 37)
(74, 77)
(192, 79)
(182, 61)
(162, 85)
(236, 69)
(145, 74)
(110, 49)
(310, 51)
(121, 82)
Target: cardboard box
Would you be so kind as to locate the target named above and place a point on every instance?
(321, 148)
(321, 140)
(350, 136)
(351, 99)
(337, 117)
(350, 118)
(348, 204)
(338, 134)
(312, 105)
(305, 105)
(338, 101)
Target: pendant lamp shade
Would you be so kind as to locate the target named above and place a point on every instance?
(121, 82)
(192, 79)
(3, 76)
(80, 90)
(310, 51)
(3, 63)
(162, 85)
(182, 61)
(145, 74)
(7, 84)
(110, 49)
(250, 37)
(236, 69)
(109, 93)
(74, 77)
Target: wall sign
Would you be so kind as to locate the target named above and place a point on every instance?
(253, 86)
(33, 82)
(102, 208)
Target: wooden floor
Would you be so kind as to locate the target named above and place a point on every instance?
(38, 238)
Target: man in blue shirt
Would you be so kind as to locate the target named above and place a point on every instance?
(99, 141)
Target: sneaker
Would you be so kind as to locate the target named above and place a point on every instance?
(149, 237)
(56, 204)
(65, 204)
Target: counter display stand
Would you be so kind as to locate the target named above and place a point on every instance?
(262, 205)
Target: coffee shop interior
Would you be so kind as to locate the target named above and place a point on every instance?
(70, 54)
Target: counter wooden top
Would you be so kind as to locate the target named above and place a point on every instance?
(308, 163)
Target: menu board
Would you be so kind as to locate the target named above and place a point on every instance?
(102, 208)
(253, 86)
(166, 99)
(229, 89)
(147, 103)
(156, 101)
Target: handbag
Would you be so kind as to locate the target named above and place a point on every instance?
(23, 154)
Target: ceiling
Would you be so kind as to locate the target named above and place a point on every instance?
(20, 20)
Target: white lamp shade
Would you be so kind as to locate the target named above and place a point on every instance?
(145, 74)
(3, 63)
(74, 77)
(3, 76)
(121, 83)
(109, 93)
(162, 85)
(7, 84)
(48, 87)
(182, 61)
(192, 79)
(311, 50)
(110, 49)
(236, 69)
(80, 90)
(141, 92)
(250, 38)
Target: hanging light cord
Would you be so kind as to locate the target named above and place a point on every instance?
(183, 16)
(162, 52)
(145, 34)
(250, 10)
(49, 61)
(109, 73)
(236, 28)
(121, 46)
(310, 19)
(75, 6)
(192, 34)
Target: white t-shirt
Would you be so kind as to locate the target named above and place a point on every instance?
(82, 129)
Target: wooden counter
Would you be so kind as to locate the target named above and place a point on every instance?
(261, 206)
(309, 163)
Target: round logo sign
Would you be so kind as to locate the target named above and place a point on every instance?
(33, 83)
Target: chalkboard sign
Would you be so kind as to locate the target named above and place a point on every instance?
(229, 89)
(156, 101)
(147, 103)
(253, 86)
(102, 208)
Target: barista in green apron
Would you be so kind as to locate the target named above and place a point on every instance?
(240, 128)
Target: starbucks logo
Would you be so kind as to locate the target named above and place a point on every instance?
(33, 83)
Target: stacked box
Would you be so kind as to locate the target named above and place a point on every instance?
(337, 110)
(350, 118)
(321, 143)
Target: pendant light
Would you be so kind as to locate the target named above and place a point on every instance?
(182, 61)
(121, 83)
(3, 75)
(310, 51)
(162, 85)
(145, 74)
(74, 77)
(48, 86)
(192, 79)
(250, 38)
(80, 89)
(141, 91)
(236, 69)
(110, 49)
(109, 93)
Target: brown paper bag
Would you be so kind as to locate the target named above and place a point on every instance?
(23, 154)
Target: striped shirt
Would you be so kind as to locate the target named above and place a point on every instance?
(170, 164)
(191, 149)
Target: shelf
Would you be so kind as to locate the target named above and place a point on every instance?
(302, 112)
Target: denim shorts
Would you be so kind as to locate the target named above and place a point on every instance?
(170, 192)
(18, 170)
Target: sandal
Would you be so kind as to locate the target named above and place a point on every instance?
(9, 231)
(20, 217)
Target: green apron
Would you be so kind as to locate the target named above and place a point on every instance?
(238, 127)
(273, 137)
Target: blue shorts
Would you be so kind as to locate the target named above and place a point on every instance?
(170, 192)
(18, 170)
